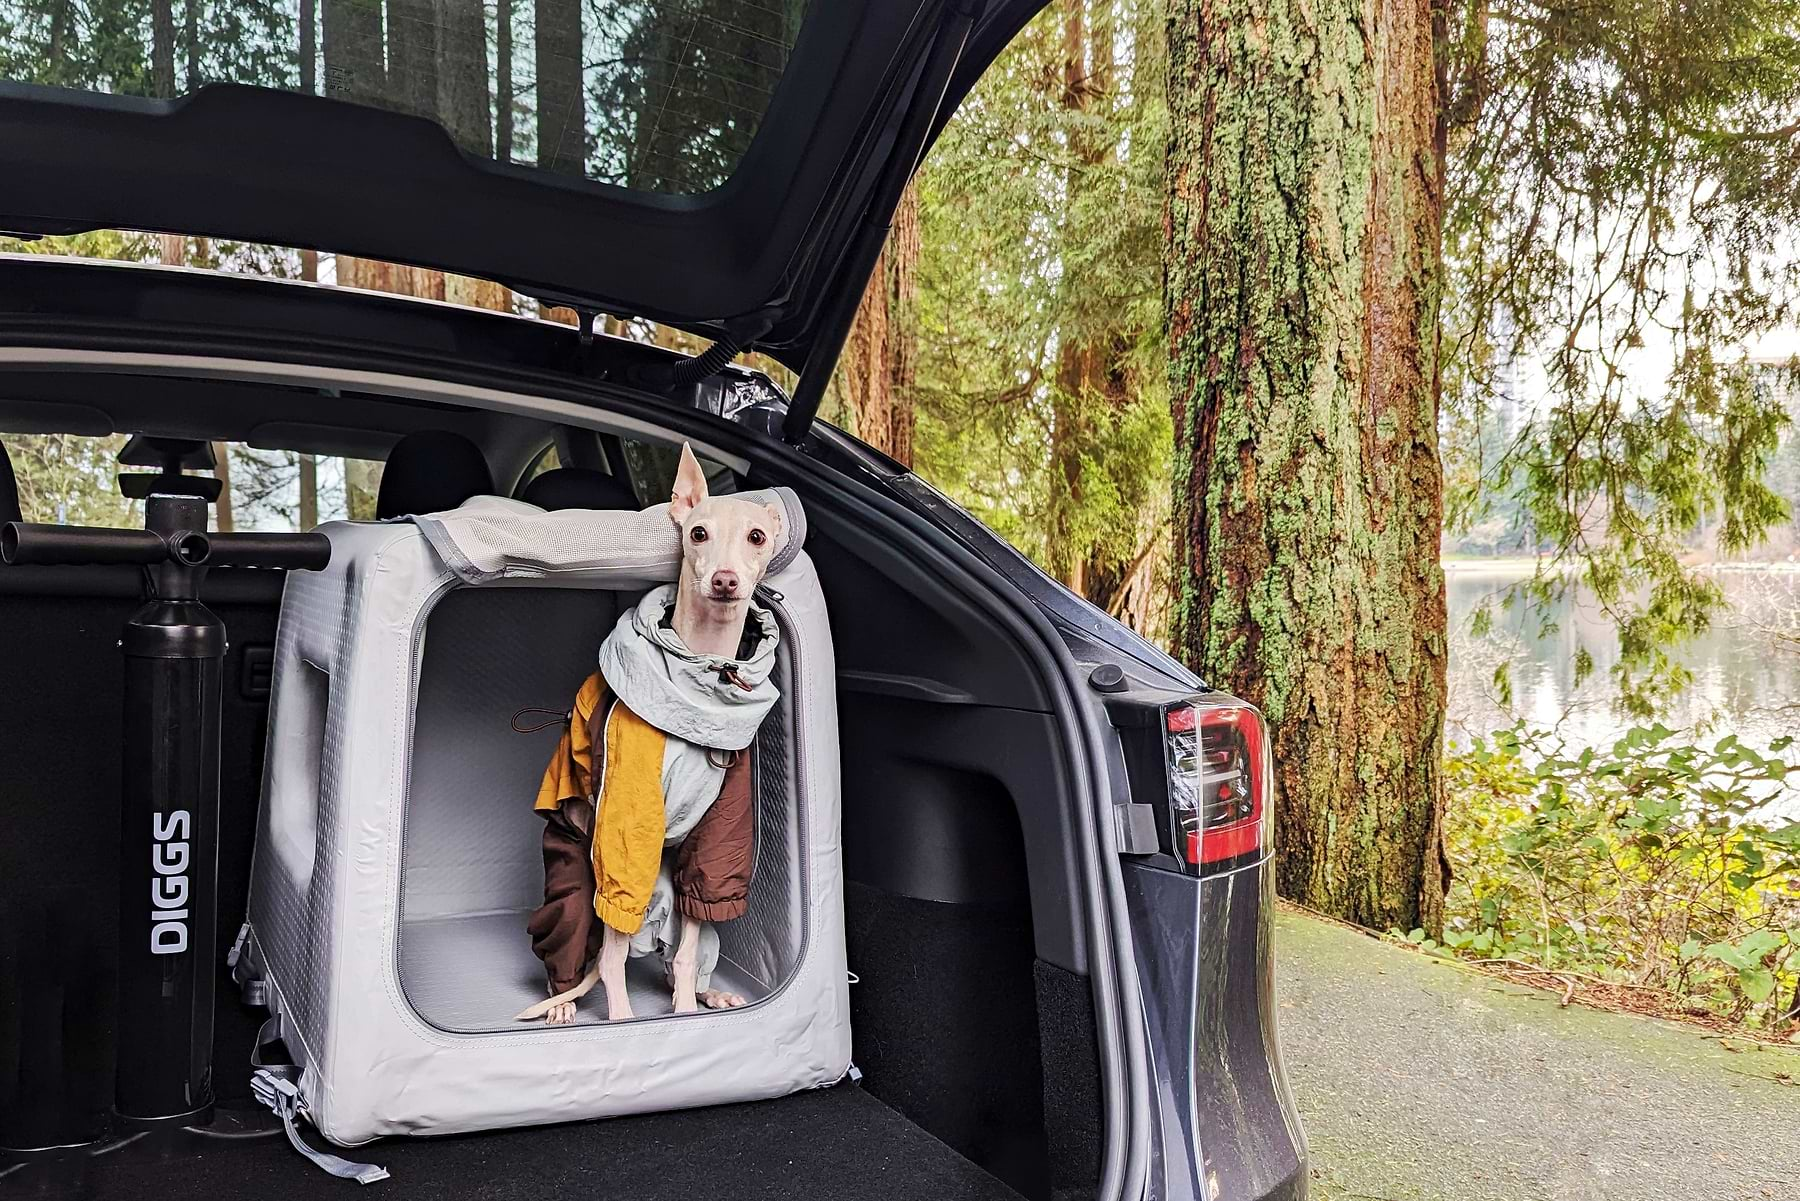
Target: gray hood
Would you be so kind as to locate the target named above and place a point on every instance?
(680, 692)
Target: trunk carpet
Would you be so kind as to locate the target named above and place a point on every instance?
(826, 1143)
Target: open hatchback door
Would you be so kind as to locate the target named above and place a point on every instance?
(727, 167)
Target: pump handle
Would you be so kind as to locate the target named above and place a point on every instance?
(24, 542)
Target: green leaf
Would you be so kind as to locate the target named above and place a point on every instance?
(1729, 955)
(1758, 943)
(1757, 983)
(1787, 836)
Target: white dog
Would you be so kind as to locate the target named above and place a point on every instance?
(708, 672)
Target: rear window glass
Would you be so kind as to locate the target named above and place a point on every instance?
(655, 95)
(650, 466)
(72, 479)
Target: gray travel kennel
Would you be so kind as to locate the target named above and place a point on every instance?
(398, 856)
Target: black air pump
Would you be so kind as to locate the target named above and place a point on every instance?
(174, 651)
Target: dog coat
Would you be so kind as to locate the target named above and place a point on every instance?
(645, 828)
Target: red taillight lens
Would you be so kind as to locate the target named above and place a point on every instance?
(1218, 782)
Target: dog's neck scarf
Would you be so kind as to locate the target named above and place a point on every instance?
(709, 700)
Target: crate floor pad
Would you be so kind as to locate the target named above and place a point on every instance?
(470, 974)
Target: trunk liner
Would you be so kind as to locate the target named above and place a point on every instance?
(837, 1142)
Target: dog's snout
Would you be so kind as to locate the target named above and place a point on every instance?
(725, 582)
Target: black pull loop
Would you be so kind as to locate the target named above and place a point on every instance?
(557, 717)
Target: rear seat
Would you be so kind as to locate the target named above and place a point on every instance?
(60, 778)
(579, 488)
(429, 471)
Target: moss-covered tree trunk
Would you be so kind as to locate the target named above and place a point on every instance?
(1302, 260)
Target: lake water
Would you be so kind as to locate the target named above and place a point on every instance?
(1743, 683)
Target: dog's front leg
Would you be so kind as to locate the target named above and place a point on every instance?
(614, 948)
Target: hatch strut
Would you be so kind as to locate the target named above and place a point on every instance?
(859, 262)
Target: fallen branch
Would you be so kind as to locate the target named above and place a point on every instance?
(1565, 973)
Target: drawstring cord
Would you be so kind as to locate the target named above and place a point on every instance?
(557, 717)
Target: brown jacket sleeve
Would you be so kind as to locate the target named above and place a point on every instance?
(712, 878)
(562, 926)
(564, 930)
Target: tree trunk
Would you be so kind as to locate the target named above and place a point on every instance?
(355, 63)
(1089, 370)
(56, 54)
(194, 79)
(362, 489)
(224, 521)
(901, 257)
(412, 57)
(879, 365)
(309, 85)
(562, 128)
(377, 275)
(309, 492)
(309, 48)
(1302, 278)
(477, 293)
(865, 362)
(162, 48)
(503, 82)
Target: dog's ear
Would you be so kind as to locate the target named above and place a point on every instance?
(777, 524)
(690, 486)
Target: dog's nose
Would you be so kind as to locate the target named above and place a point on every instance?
(725, 581)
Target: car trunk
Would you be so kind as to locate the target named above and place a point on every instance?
(972, 1021)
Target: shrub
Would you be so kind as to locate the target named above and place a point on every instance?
(1653, 862)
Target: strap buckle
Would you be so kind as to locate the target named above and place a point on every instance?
(277, 1087)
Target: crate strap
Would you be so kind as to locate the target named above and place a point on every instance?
(275, 1087)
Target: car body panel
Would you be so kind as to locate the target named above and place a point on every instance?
(1225, 1122)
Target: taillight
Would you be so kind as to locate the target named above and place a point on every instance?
(1218, 783)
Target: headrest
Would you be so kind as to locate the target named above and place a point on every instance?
(429, 471)
(579, 488)
(9, 490)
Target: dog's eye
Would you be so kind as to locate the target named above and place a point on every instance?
(757, 537)
(697, 534)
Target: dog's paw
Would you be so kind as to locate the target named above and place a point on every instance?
(714, 998)
(561, 1015)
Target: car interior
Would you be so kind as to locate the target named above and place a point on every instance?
(972, 1018)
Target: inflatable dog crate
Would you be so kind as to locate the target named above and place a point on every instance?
(398, 856)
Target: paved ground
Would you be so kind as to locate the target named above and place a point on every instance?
(1425, 1081)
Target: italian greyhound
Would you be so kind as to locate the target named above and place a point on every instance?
(726, 545)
